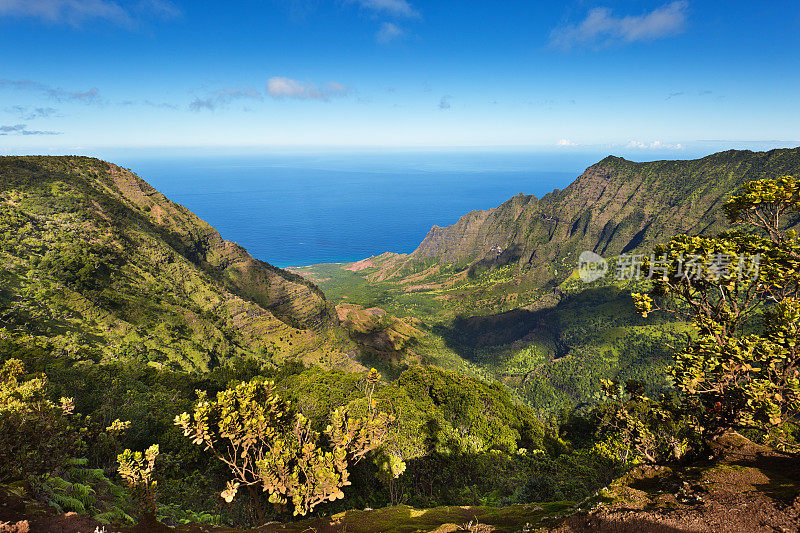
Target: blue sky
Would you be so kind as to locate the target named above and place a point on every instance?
(613, 76)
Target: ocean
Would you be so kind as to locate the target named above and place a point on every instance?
(299, 209)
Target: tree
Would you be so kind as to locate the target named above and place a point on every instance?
(265, 444)
(736, 373)
(36, 435)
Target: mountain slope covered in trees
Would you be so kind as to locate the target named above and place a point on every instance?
(99, 265)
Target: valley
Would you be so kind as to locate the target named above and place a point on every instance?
(497, 294)
(480, 374)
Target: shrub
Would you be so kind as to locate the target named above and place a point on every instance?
(35, 434)
(736, 374)
(268, 446)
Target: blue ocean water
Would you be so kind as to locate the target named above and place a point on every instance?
(293, 210)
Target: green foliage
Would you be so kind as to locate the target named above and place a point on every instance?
(632, 427)
(36, 435)
(571, 476)
(253, 431)
(498, 478)
(84, 490)
(80, 266)
(734, 374)
(443, 418)
(391, 467)
(102, 267)
(457, 414)
(174, 514)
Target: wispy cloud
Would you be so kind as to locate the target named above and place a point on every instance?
(26, 113)
(395, 8)
(22, 129)
(77, 12)
(163, 9)
(90, 96)
(676, 94)
(566, 142)
(279, 87)
(654, 145)
(389, 32)
(223, 97)
(602, 28)
(444, 103)
(148, 103)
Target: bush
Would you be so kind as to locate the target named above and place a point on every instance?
(270, 448)
(36, 435)
(737, 374)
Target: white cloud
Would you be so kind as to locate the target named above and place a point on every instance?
(26, 113)
(602, 28)
(397, 8)
(148, 103)
(76, 12)
(655, 145)
(389, 32)
(279, 87)
(160, 8)
(566, 142)
(337, 88)
(90, 96)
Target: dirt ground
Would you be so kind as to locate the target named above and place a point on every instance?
(745, 488)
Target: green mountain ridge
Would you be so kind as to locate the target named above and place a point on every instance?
(615, 206)
(102, 260)
(498, 295)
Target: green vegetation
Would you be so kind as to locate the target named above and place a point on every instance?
(137, 469)
(35, 434)
(126, 323)
(87, 491)
(516, 311)
(736, 375)
(251, 430)
(98, 266)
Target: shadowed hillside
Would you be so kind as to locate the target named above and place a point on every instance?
(498, 294)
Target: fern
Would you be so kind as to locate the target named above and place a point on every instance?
(77, 491)
(114, 515)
